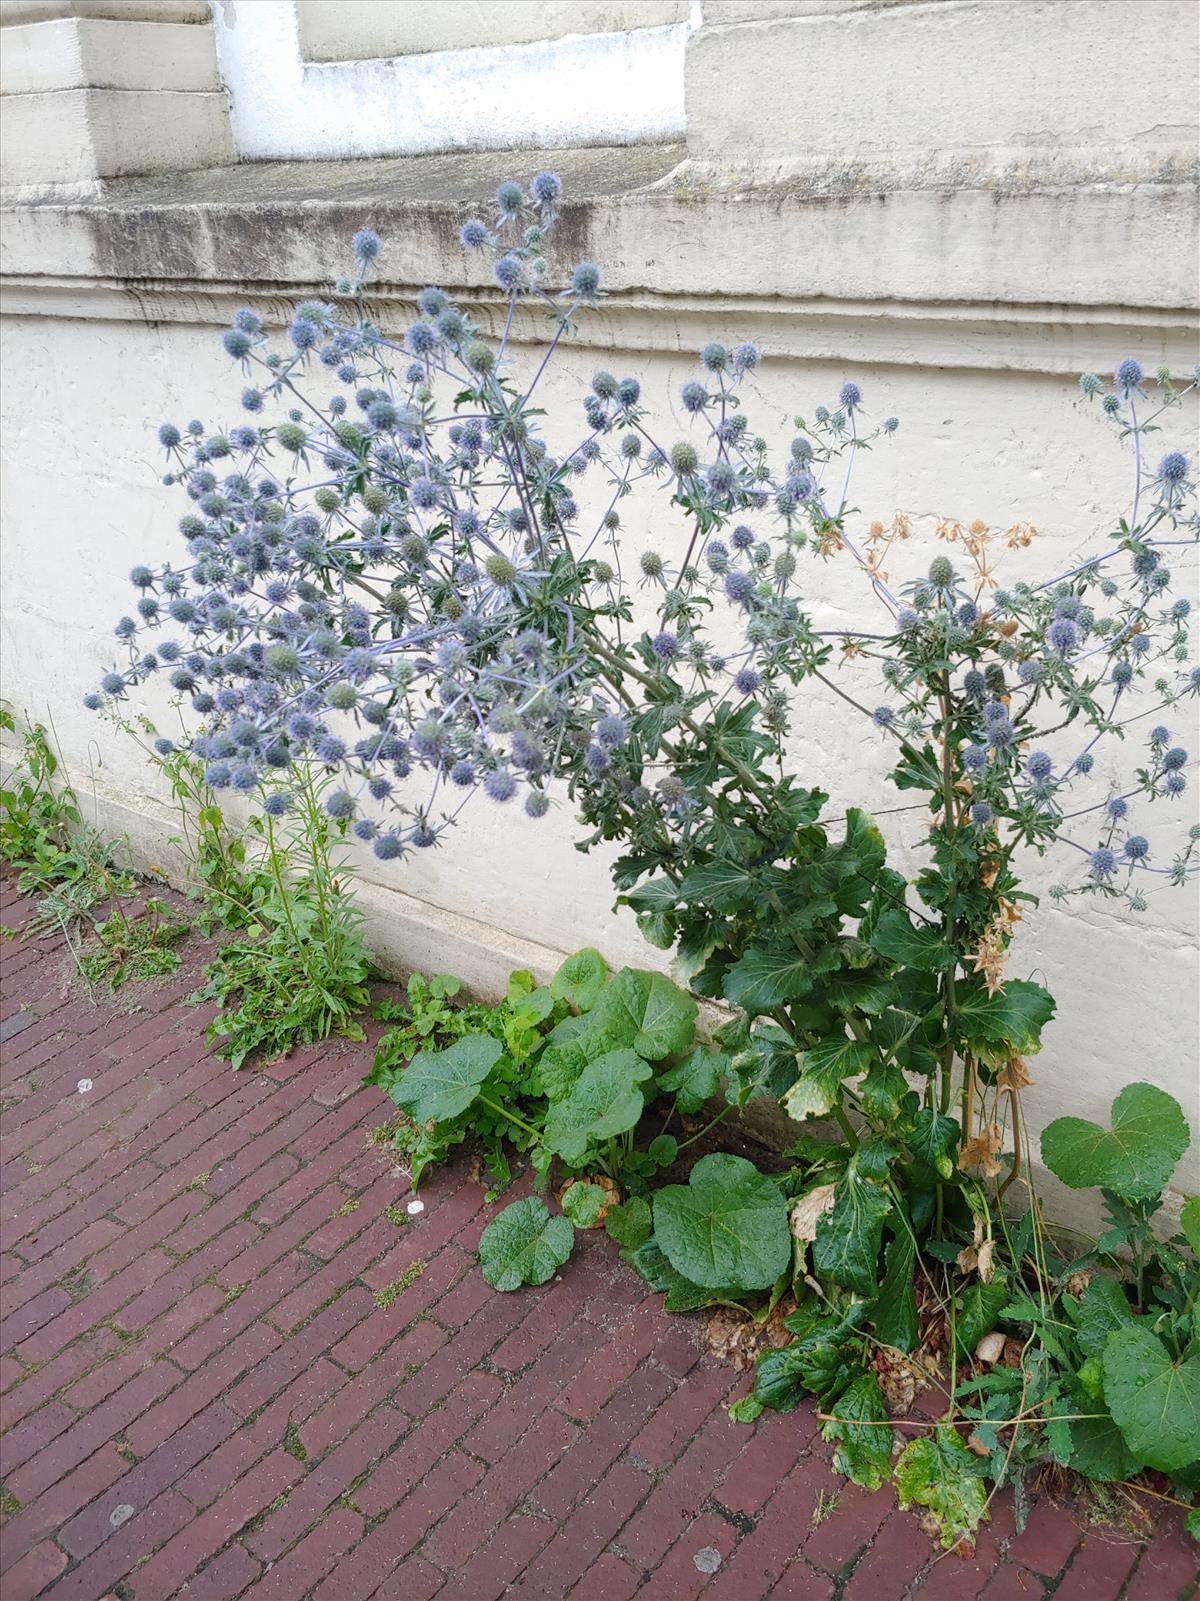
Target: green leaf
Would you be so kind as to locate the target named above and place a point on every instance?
(1097, 1447)
(860, 1429)
(439, 1085)
(898, 937)
(978, 1312)
(1103, 1309)
(1155, 1402)
(747, 1409)
(726, 1227)
(583, 1203)
(696, 1079)
(931, 1135)
(766, 978)
(559, 1066)
(723, 886)
(580, 979)
(603, 1101)
(1135, 1158)
(938, 1472)
(822, 1069)
(882, 1090)
(1192, 1523)
(1009, 1023)
(1189, 1222)
(681, 1295)
(894, 1310)
(648, 1012)
(630, 1223)
(846, 1249)
(821, 1362)
(663, 1149)
(524, 1245)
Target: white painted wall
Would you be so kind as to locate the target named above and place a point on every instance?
(973, 443)
(592, 88)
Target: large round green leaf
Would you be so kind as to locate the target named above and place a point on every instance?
(581, 979)
(727, 1227)
(1154, 1401)
(524, 1245)
(646, 1011)
(1135, 1157)
(602, 1102)
(439, 1085)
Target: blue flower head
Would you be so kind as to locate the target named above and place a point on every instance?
(367, 244)
(546, 188)
(850, 397)
(1039, 765)
(665, 646)
(585, 280)
(473, 234)
(1129, 376)
(1103, 863)
(1172, 469)
(1137, 848)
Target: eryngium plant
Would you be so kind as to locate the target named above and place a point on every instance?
(403, 584)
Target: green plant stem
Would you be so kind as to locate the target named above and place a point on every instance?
(846, 1127)
(720, 1118)
(273, 856)
(512, 1117)
(949, 1005)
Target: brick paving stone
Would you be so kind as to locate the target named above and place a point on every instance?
(202, 1400)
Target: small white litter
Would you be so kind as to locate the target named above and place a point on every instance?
(85, 1085)
(708, 1560)
(120, 1514)
(414, 1207)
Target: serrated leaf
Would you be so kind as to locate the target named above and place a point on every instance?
(524, 1245)
(645, 1011)
(580, 979)
(1103, 1308)
(723, 886)
(583, 1203)
(1008, 1023)
(894, 1310)
(846, 1249)
(897, 937)
(978, 1312)
(726, 1227)
(681, 1295)
(816, 1365)
(1136, 1157)
(932, 1135)
(1154, 1401)
(767, 977)
(630, 1223)
(747, 1409)
(862, 1434)
(1096, 1446)
(822, 1069)
(938, 1472)
(439, 1085)
(881, 1091)
(559, 1066)
(603, 1101)
(696, 1079)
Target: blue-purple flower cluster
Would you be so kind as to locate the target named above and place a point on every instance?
(399, 581)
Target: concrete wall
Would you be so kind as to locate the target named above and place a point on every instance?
(962, 274)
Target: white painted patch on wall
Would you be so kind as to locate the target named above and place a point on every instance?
(586, 89)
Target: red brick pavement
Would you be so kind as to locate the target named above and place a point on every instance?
(202, 1398)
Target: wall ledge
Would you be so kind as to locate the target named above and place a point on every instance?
(668, 242)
